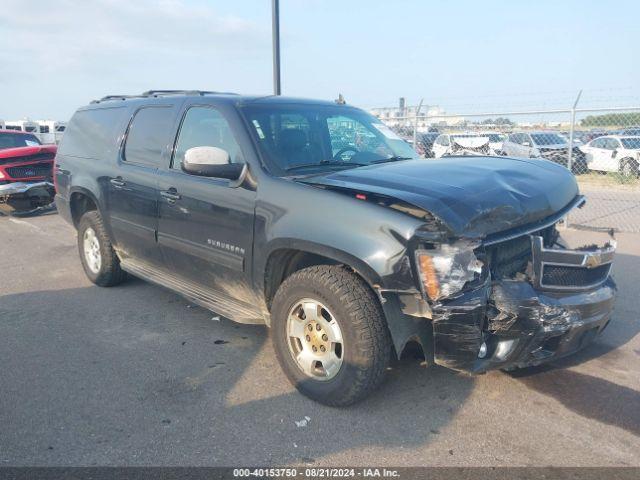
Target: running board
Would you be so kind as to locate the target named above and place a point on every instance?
(221, 304)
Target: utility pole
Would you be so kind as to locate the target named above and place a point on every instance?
(275, 31)
(415, 126)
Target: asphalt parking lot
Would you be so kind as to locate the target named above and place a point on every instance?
(135, 375)
(615, 207)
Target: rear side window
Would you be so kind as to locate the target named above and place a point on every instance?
(93, 133)
(148, 135)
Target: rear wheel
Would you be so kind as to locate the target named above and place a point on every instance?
(329, 334)
(629, 167)
(99, 259)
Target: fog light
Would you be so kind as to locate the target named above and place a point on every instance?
(504, 348)
(483, 350)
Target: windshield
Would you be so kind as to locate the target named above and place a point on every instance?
(306, 139)
(547, 139)
(495, 137)
(631, 143)
(12, 140)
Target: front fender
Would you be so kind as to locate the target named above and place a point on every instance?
(375, 241)
(372, 239)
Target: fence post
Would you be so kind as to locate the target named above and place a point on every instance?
(570, 146)
(571, 129)
(415, 124)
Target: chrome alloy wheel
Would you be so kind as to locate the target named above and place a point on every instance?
(91, 247)
(315, 339)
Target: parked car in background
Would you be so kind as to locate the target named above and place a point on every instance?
(631, 131)
(591, 134)
(566, 135)
(495, 141)
(541, 144)
(450, 144)
(26, 172)
(613, 154)
(424, 144)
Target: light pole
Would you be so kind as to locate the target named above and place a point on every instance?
(275, 30)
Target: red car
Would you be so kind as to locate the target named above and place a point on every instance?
(26, 171)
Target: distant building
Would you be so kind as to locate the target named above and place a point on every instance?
(404, 115)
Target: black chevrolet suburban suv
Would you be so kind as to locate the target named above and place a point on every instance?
(315, 219)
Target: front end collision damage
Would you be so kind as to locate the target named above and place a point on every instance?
(472, 212)
(478, 320)
(523, 321)
(23, 197)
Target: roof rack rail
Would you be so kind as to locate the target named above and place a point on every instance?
(155, 93)
(113, 97)
(158, 93)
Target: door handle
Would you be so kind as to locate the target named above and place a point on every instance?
(171, 195)
(117, 182)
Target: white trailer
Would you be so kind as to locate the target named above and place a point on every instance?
(50, 131)
(22, 126)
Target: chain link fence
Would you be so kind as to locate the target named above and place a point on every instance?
(600, 146)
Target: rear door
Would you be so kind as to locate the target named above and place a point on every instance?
(598, 154)
(205, 228)
(133, 186)
(611, 160)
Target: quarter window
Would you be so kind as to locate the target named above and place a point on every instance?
(148, 135)
(205, 127)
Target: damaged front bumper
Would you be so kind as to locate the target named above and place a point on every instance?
(25, 196)
(564, 302)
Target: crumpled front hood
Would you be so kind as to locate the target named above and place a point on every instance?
(472, 196)
(470, 142)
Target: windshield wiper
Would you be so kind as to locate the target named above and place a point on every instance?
(330, 163)
(395, 158)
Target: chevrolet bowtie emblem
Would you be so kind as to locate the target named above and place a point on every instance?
(593, 261)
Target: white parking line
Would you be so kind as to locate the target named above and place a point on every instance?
(22, 222)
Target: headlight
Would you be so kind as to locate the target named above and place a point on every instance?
(445, 270)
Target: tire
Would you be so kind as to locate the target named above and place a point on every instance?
(365, 343)
(629, 168)
(105, 269)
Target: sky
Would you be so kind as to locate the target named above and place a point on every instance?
(466, 56)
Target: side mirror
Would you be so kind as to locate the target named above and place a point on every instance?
(526, 144)
(614, 153)
(211, 162)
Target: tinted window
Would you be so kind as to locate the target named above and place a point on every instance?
(148, 135)
(518, 138)
(205, 127)
(631, 143)
(93, 133)
(349, 136)
(443, 140)
(11, 140)
(547, 139)
(611, 144)
(308, 138)
(598, 143)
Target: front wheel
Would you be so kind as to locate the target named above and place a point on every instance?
(99, 259)
(329, 334)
